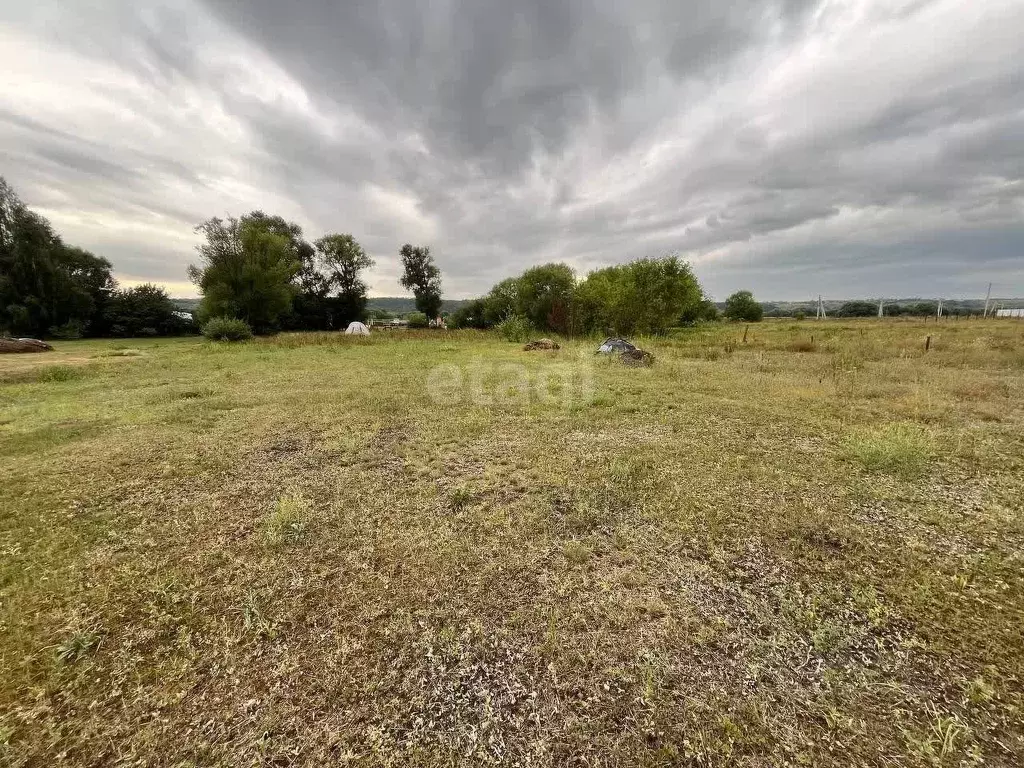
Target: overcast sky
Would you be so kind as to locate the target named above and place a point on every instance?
(790, 147)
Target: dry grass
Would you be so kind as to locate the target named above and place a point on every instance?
(284, 552)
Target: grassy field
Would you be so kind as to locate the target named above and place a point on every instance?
(805, 549)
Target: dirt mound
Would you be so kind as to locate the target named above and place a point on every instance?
(540, 344)
(23, 345)
(637, 358)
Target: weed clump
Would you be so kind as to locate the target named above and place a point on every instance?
(77, 647)
(286, 524)
(901, 449)
(58, 373)
(515, 328)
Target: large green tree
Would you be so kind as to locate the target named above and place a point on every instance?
(544, 296)
(145, 310)
(311, 308)
(46, 287)
(422, 277)
(502, 302)
(246, 269)
(643, 296)
(343, 258)
(743, 306)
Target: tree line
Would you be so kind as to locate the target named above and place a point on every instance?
(646, 296)
(260, 270)
(51, 289)
(898, 309)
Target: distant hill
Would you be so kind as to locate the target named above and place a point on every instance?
(949, 306)
(186, 305)
(401, 305)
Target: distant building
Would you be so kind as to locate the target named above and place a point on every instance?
(1019, 312)
(182, 315)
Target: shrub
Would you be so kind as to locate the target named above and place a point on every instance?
(704, 311)
(472, 315)
(857, 309)
(68, 331)
(645, 296)
(417, 320)
(515, 328)
(227, 329)
(742, 306)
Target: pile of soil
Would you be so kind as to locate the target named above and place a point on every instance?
(540, 344)
(637, 358)
(23, 345)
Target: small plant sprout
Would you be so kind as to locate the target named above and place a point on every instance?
(287, 523)
(77, 646)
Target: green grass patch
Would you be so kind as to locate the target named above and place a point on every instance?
(900, 448)
(286, 524)
(58, 374)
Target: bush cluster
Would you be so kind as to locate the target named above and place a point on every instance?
(642, 296)
(227, 329)
(515, 328)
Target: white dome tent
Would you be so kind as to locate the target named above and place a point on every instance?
(357, 329)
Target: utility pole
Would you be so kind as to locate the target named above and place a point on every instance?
(987, 297)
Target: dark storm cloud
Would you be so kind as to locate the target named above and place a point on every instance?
(490, 82)
(789, 146)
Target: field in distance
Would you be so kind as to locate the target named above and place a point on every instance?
(431, 548)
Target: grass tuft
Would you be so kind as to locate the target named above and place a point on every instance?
(286, 524)
(802, 345)
(59, 373)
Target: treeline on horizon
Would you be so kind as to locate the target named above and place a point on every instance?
(890, 308)
(260, 273)
(260, 270)
(53, 290)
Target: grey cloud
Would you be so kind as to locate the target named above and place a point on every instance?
(490, 82)
(951, 263)
(771, 142)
